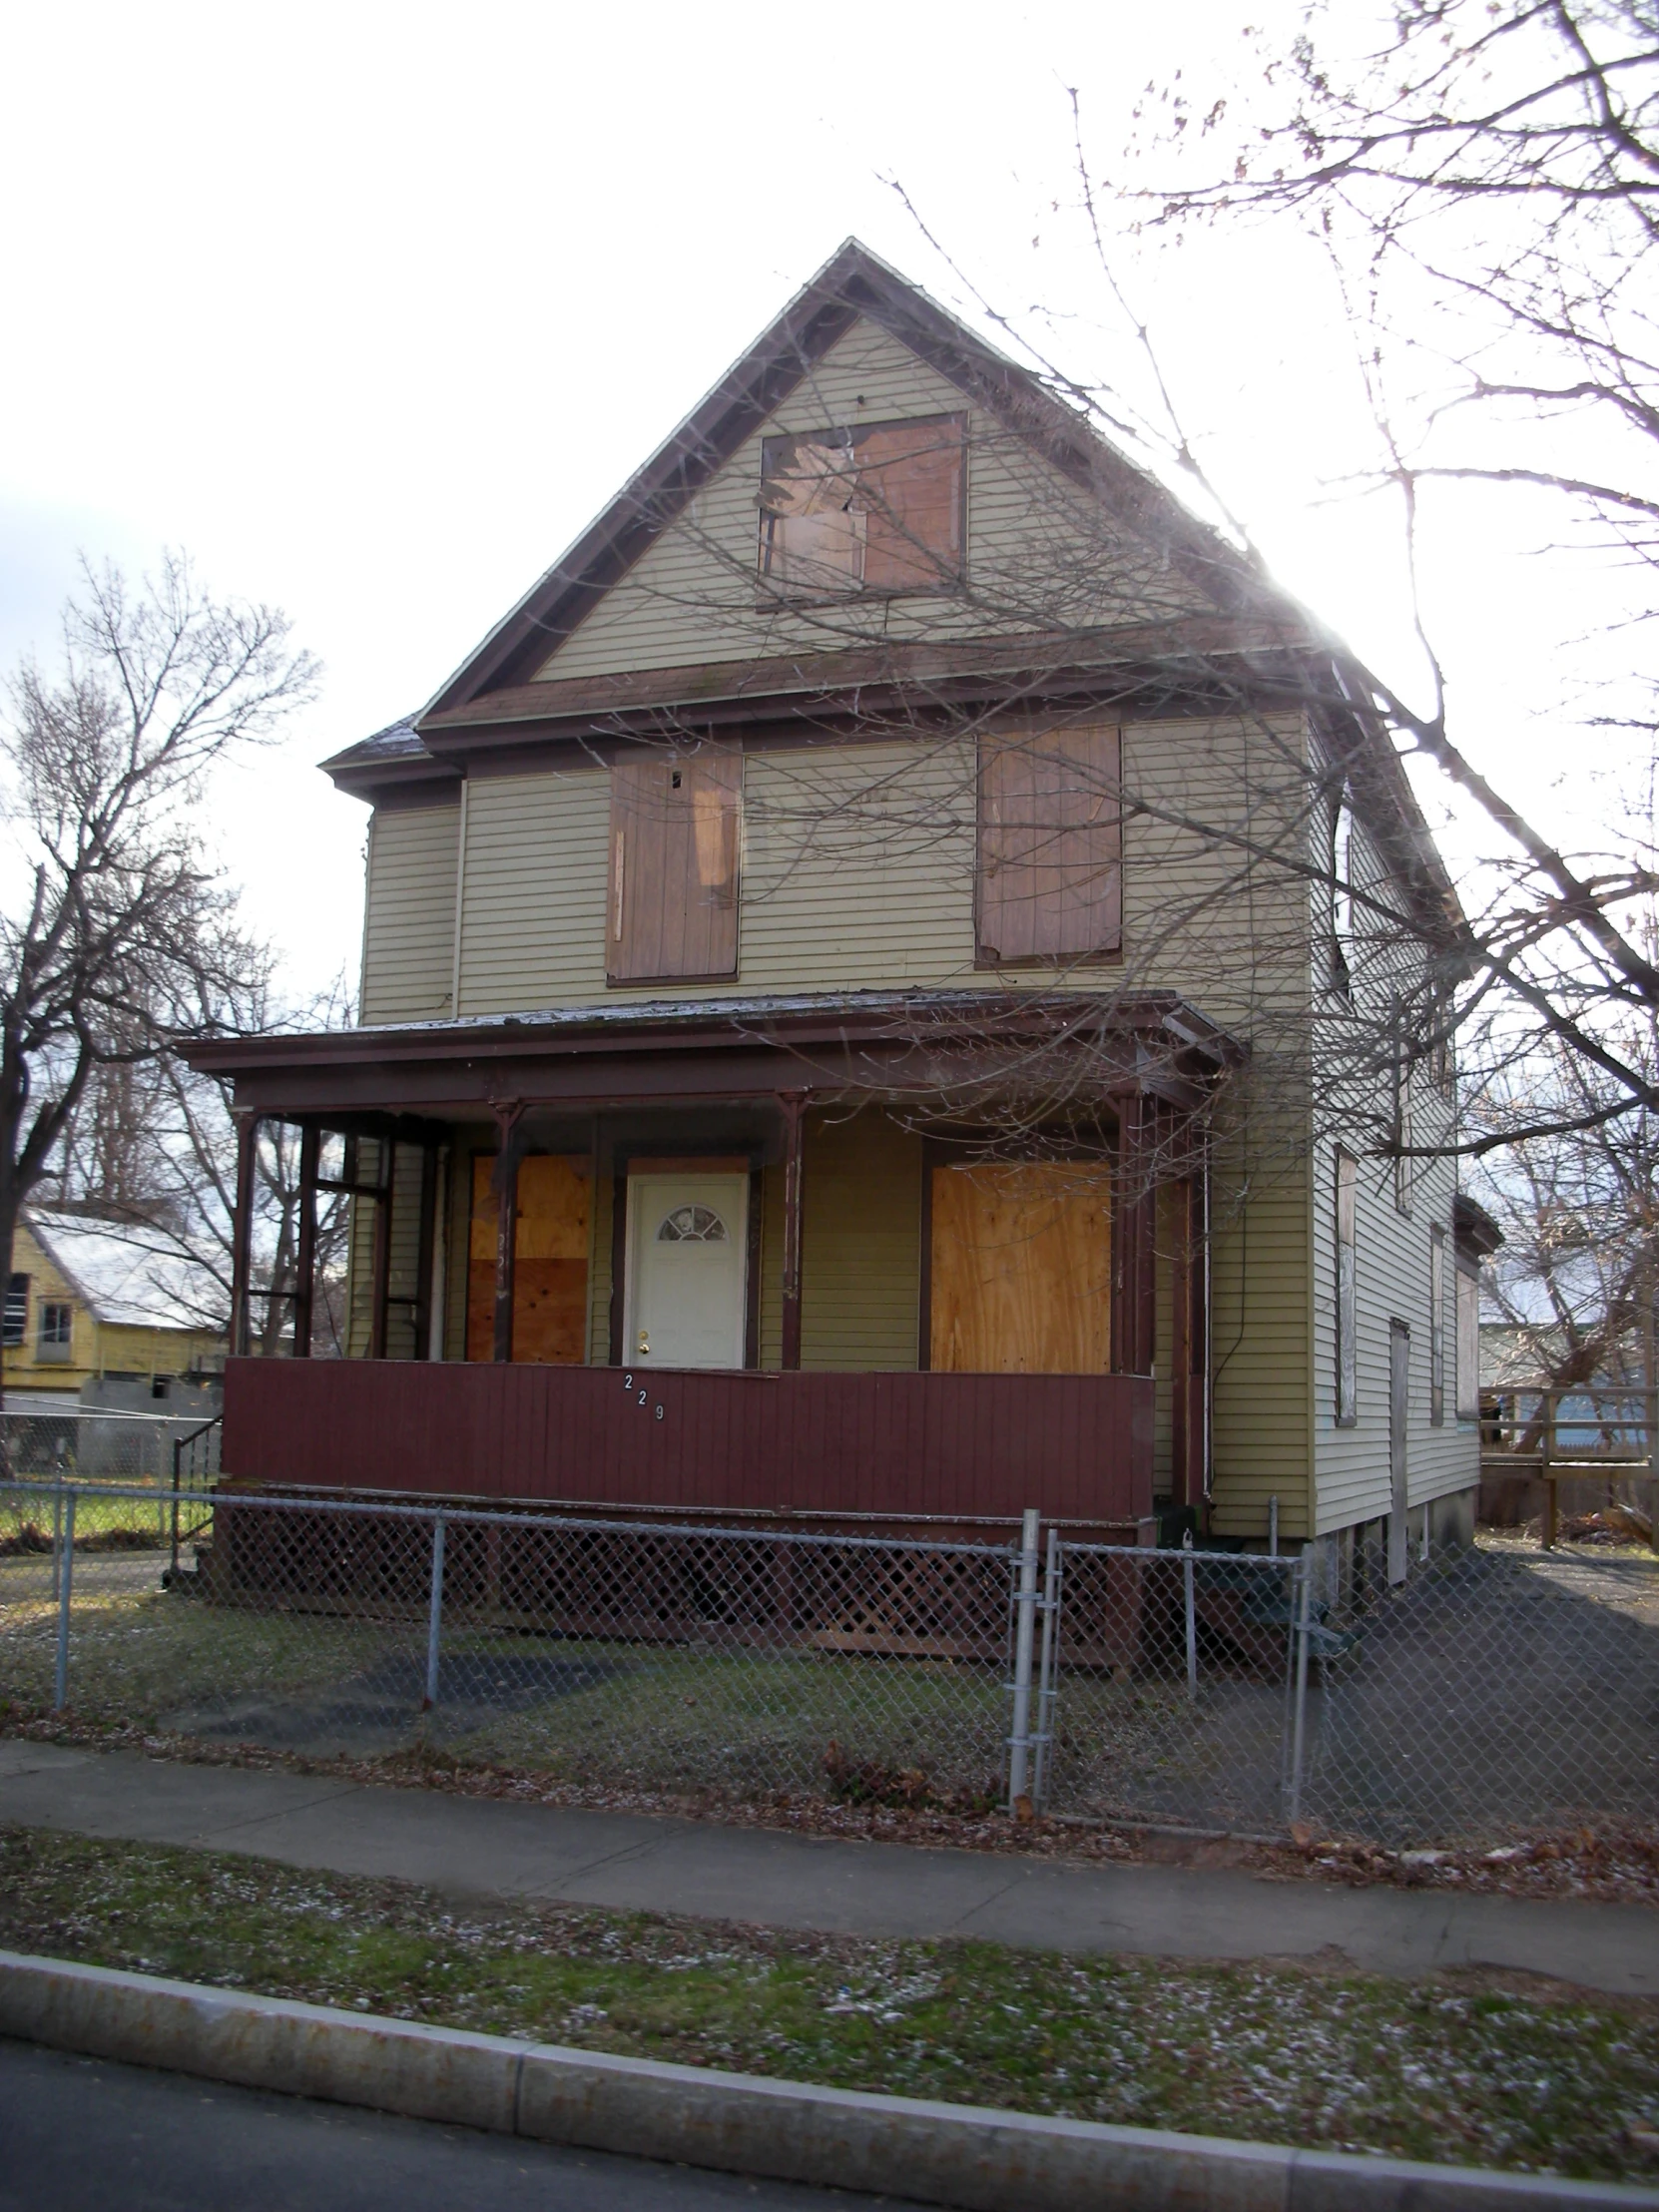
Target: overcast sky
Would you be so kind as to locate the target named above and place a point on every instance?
(369, 309)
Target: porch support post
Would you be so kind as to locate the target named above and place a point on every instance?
(1134, 1309)
(425, 1250)
(241, 1233)
(1190, 1286)
(793, 1106)
(383, 1249)
(304, 1243)
(506, 1226)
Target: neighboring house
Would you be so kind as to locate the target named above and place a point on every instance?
(819, 961)
(105, 1310)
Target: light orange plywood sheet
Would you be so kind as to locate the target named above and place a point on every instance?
(1021, 1269)
(550, 1264)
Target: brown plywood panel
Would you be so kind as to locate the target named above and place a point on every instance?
(1050, 870)
(673, 887)
(1021, 1269)
(550, 1265)
(910, 487)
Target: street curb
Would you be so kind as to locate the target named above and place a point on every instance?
(975, 2159)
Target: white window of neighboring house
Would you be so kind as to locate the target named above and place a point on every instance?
(1468, 1345)
(1405, 1168)
(870, 507)
(56, 1329)
(17, 1311)
(1348, 1317)
(1437, 1325)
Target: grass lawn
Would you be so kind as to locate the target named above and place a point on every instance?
(1468, 2067)
(636, 1713)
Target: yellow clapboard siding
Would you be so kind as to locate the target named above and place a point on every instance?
(861, 1242)
(410, 927)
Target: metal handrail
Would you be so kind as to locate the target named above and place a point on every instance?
(181, 1444)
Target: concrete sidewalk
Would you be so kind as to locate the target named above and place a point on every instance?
(484, 1846)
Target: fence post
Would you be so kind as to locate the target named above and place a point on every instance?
(66, 1578)
(1192, 1615)
(173, 1562)
(1019, 1738)
(434, 1617)
(1303, 1605)
(1046, 1670)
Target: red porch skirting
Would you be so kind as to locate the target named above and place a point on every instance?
(1077, 1446)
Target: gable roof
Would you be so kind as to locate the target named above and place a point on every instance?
(498, 701)
(853, 284)
(128, 1274)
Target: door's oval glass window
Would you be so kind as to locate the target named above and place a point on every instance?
(692, 1224)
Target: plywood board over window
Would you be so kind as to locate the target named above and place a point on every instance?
(550, 1269)
(1020, 1269)
(1050, 863)
(868, 507)
(673, 906)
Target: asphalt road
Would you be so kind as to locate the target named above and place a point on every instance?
(84, 2135)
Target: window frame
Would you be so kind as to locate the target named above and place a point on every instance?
(1467, 1385)
(1340, 945)
(14, 1331)
(1437, 1325)
(1345, 1242)
(773, 591)
(1406, 1165)
(1109, 951)
(721, 771)
(49, 1346)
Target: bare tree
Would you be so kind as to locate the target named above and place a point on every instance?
(152, 1145)
(1578, 1273)
(1485, 183)
(123, 935)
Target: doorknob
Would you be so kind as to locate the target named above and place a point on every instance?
(644, 1341)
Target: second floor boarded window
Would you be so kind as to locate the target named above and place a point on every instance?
(877, 507)
(1050, 867)
(673, 906)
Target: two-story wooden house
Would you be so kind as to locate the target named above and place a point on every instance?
(851, 969)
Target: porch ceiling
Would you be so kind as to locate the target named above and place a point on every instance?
(951, 1045)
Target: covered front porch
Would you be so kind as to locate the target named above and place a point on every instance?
(931, 1262)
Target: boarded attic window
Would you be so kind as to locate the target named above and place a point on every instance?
(876, 507)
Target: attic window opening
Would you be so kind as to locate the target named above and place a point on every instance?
(867, 507)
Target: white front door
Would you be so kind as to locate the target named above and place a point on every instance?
(688, 1244)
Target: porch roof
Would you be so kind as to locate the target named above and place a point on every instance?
(951, 1044)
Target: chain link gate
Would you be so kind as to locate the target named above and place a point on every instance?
(1170, 1689)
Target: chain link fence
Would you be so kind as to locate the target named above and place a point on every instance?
(1495, 1691)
